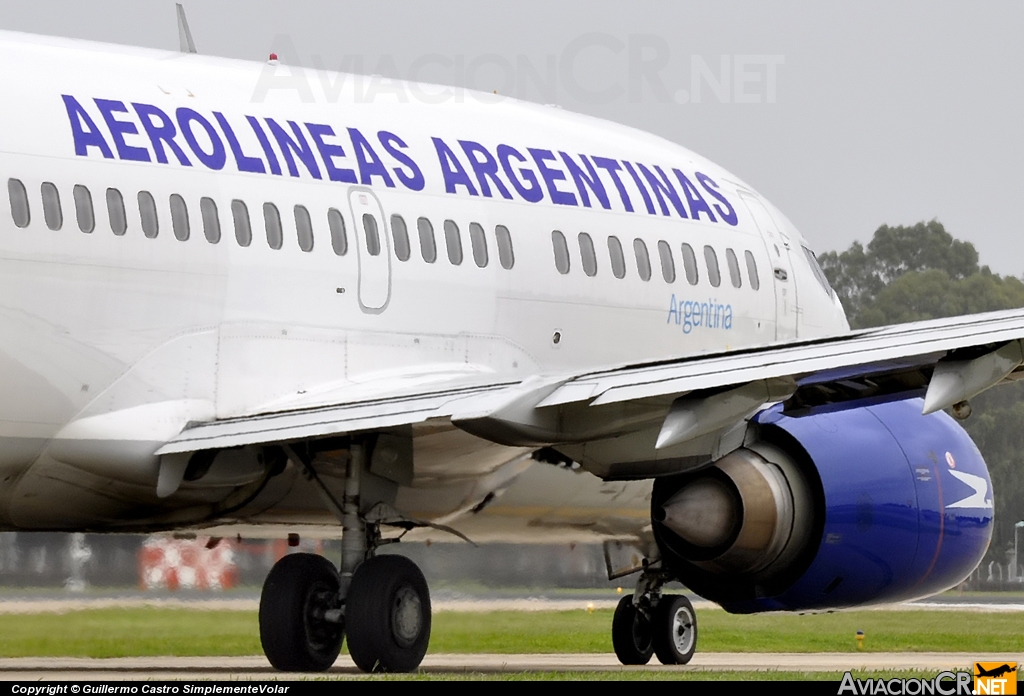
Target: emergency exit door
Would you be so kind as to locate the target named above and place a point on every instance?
(373, 250)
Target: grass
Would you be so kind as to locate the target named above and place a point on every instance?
(184, 632)
(130, 633)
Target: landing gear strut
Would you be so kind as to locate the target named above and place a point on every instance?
(649, 623)
(381, 602)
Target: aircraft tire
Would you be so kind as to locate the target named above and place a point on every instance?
(294, 634)
(675, 630)
(387, 614)
(631, 634)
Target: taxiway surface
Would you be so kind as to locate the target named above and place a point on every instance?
(257, 668)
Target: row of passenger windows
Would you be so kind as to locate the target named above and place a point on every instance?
(180, 225)
(588, 255)
(85, 215)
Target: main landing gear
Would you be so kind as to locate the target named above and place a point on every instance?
(649, 623)
(386, 613)
(381, 602)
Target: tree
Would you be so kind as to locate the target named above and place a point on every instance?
(915, 273)
(858, 275)
(932, 293)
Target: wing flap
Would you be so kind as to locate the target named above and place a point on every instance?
(321, 422)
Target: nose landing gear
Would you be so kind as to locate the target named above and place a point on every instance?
(649, 623)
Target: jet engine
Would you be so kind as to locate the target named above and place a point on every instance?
(834, 508)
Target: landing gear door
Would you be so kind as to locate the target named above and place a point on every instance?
(373, 250)
(777, 244)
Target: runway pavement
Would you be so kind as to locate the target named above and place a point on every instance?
(257, 668)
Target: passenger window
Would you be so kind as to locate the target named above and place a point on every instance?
(711, 258)
(668, 264)
(179, 218)
(371, 234)
(243, 228)
(83, 209)
(147, 212)
(51, 206)
(272, 221)
(617, 257)
(19, 203)
(303, 228)
(478, 241)
(690, 265)
(428, 247)
(734, 268)
(588, 255)
(400, 234)
(453, 241)
(643, 259)
(561, 248)
(211, 220)
(506, 256)
(339, 240)
(755, 282)
(116, 212)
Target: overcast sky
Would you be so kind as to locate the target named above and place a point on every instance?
(845, 116)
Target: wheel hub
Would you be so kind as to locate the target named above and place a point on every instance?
(406, 616)
(682, 635)
(319, 631)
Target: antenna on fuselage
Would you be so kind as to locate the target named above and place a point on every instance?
(184, 33)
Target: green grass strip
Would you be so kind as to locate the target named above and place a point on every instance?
(184, 632)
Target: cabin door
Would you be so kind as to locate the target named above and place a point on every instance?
(777, 244)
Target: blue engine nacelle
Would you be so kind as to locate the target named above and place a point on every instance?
(854, 506)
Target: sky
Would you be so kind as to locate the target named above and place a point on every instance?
(846, 116)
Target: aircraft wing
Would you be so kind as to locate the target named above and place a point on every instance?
(948, 360)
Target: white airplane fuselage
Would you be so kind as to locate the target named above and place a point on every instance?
(110, 344)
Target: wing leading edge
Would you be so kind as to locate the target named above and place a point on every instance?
(882, 351)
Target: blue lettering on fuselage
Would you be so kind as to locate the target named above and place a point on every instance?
(278, 146)
(699, 314)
